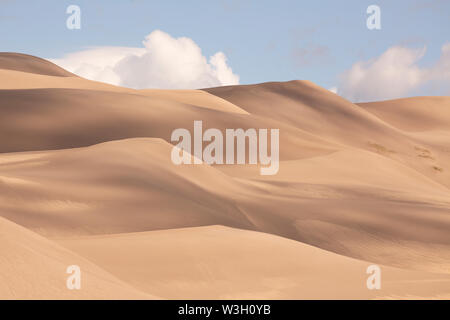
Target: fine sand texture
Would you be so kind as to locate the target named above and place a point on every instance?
(86, 179)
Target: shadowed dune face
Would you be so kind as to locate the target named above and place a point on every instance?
(121, 186)
(42, 119)
(304, 105)
(375, 127)
(83, 162)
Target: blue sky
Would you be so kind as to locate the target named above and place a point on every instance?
(262, 40)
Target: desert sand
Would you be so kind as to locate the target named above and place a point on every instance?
(86, 179)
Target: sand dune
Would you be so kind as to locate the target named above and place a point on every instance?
(33, 267)
(42, 119)
(197, 98)
(120, 186)
(222, 263)
(31, 64)
(413, 114)
(89, 164)
(14, 80)
(329, 202)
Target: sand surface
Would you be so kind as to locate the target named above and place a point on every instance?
(86, 175)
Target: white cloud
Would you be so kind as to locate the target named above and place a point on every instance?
(163, 62)
(333, 89)
(440, 73)
(394, 74)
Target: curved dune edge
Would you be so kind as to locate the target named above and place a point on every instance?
(217, 262)
(81, 159)
(198, 98)
(33, 267)
(31, 64)
(329, 202)
(413, 114)
(21, 80)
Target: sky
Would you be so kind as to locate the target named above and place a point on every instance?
(195, 44)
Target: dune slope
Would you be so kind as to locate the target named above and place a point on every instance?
(83, 162)
(131, 185)
(31, 64)
(33, 267)
(222, 263)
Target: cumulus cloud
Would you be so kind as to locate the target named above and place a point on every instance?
(440, 73)
(391, 75)
(163, 62)
(394, 74)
